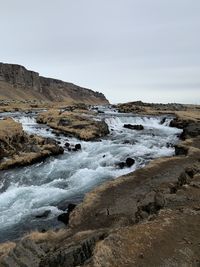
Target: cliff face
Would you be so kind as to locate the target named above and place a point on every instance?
(18, 83)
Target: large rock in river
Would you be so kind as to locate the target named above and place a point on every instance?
(18, 148)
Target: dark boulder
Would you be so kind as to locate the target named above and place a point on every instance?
(78, 147)
(163, 120)
(134, 127)
(130, 162)
(71, 207)
(43, 215)
(64, 217)
(121, 165)
(67, 144)
(168, 145)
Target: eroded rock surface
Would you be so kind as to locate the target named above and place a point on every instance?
(18, 148)
(76, 123)
(18, 83)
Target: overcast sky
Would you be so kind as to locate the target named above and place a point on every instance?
(128, 49)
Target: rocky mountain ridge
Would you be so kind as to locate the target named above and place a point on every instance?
(16, 83)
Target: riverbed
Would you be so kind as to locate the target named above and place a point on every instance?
(28, 192)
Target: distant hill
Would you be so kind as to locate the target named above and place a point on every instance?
(18, 83)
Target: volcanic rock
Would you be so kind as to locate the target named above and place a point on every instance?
(134, 127)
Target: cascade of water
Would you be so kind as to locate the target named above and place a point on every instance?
(29, 190)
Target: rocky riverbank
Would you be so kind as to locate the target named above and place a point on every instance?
(147, 218)
(78, 123)
(19, 149)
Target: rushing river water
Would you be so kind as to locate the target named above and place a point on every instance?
(29, 191)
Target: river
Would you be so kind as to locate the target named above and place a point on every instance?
(29, 191)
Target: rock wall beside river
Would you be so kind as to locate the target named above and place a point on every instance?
(18, 148)
(18, 83)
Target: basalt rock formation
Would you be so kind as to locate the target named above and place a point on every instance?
(18, 83)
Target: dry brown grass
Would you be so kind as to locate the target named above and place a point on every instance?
(18, 148)
(79, 124)
(9, 128)
(48, 236)
(6, 247)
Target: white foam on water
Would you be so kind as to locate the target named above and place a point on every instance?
(30, 126)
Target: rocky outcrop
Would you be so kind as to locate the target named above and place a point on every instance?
(16, 82)
(77, 123)
(134, 127)
(18, 148)
(140, 107)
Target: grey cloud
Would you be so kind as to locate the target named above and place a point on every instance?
(128, 49)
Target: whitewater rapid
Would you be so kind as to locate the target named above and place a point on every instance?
(29, 191)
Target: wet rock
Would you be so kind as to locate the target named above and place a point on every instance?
(134, 127)
(130, 162)
(121, 165)
(163, 120)
(126, 142)
(71, 207)
(67, 144)
(78, 147)
(168, 145)
(64, 217)
(43, 215)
